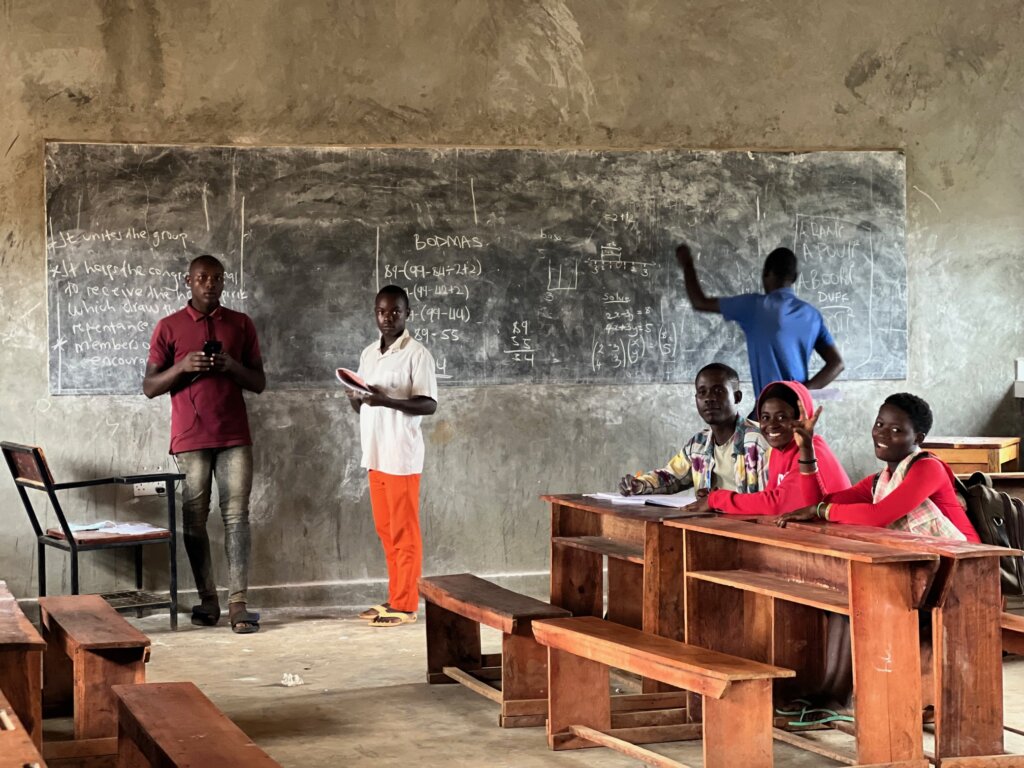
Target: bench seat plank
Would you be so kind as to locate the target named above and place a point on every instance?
(175, 724)
(670, 661)
(486, 603)
(91, 623)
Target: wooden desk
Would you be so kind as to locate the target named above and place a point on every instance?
(758, 592)
(973, 454)
(21, 665)
(645, 560)
(967, 666)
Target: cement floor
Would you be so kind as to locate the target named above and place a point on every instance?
(364, 702)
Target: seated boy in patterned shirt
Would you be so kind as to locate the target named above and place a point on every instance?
(729, 454)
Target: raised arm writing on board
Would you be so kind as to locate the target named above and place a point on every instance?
(834, 365)
(694, 292)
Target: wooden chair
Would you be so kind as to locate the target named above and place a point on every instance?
(166, 725)
(31, 472)
(736, 693)
(456, 607)
(89, 648)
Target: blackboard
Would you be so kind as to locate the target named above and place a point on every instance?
(523, 265)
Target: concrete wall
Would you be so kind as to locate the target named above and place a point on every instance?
(941, 80)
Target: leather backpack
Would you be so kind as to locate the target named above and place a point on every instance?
(999, 520)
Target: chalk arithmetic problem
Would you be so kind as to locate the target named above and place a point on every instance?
(522, 265)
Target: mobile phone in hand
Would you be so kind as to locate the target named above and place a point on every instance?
(212, 347)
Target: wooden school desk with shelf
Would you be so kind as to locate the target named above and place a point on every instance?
(758, 591)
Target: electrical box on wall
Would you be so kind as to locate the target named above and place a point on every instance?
(150, 489)
(1018, 384)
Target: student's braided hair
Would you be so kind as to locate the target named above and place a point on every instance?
(919, 412)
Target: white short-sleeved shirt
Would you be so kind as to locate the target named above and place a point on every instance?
(392, 441)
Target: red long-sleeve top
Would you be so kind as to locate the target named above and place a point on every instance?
(785, 492)
(927, 478)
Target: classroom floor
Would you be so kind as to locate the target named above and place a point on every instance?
(364, 702)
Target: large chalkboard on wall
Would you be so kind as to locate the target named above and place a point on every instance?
(523, 265)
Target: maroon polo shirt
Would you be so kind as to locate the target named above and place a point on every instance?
(209, 411)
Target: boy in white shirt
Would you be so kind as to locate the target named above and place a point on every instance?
(399, 372)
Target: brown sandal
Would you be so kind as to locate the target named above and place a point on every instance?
(373, 613)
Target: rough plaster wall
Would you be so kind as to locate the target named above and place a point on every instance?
(941, 80)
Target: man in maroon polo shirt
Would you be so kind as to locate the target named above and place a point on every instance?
(205, 355)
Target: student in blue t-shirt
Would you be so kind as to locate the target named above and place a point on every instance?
(781, 329)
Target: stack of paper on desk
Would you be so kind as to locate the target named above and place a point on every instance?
(674, 500)
(618, 498)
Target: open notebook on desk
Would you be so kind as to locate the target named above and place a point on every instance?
(674, 500)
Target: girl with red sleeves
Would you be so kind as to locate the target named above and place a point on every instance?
(782, 408)
(914, 492)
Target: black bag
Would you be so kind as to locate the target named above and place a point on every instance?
(999, 520)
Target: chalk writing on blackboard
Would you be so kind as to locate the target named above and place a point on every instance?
(521, 265)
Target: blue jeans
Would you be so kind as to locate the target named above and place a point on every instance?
(232, 468)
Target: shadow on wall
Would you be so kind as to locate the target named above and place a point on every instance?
(1006, 418)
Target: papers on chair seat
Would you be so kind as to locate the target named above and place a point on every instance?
(109, 526)
(674, 500)
(97, 526)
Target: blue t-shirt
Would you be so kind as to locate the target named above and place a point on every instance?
(782, 331)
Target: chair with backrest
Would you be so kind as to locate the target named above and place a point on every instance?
(32, 473)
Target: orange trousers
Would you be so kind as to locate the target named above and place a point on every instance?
(395, 500)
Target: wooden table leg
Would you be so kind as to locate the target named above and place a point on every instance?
(664, 593)
(967, 662)
(577, 695)
(577, 583)
(738, 727)
(452, 641)
(129, 754)
(886, 663)
(95, 672)
(21, 677)
(524, 678)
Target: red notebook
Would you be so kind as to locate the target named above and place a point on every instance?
(352, 380)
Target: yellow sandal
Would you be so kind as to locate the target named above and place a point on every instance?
(393, 618)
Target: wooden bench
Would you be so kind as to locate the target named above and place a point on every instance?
(21, 664)
(736, 693)
(1012, 627)
(89, 648)
(166, 725)
(456, 607)
(16, 743)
